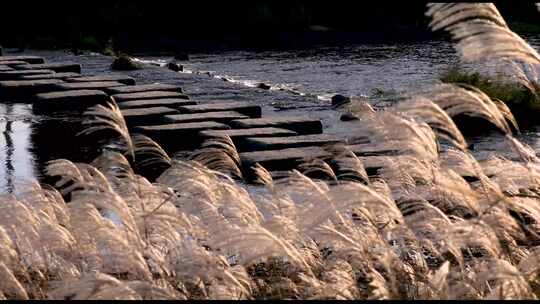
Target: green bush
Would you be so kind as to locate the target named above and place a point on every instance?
(513, 94)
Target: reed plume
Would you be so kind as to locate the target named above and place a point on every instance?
(108, 117)
(481, 34)
(431, 220)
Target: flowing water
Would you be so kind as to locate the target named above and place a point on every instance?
(301, 83)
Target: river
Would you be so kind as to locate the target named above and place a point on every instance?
(301, 82)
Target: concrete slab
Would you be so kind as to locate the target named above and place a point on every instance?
(5, 68)
(238, 136)
(59, 67)
(278, 143)
(25, 88)
(16, 75)
(277, 160)
(245, 133)
(146, 88)
(96, 85)
(174, 137)
(223, 117)
(373, 164)
(63, 76)
(147, 95)
(29, 59)
(99, 78)
(282, 161)
(250, 110)
(147, 116)
(68, 100)
(148, 103)
(301, 125)
(14, 64)
(367, 150)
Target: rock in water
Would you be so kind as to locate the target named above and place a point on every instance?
(173, 66)
(1, 51)
(264, 86)
(125, 63)
(348, 117)
(338, 100)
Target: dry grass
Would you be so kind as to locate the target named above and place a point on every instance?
(432, 224)
(482, 36)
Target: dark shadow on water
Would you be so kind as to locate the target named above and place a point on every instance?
(9, 150)
(55, 137)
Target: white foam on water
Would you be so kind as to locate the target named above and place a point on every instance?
(251, 83)
(156, 62)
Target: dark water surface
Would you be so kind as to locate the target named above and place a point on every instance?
(348, 70)
(302, 82)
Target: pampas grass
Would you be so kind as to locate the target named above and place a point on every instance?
(434, 222)
(481, 35)
(195, 233)
(108, 117)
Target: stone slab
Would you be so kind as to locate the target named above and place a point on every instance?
(99, 78)
(253, 111)
(98, 85)
(29, 59)
(148, 103)
(277, 160)
(15, 75)
(147, 116)
(373, 164)
(14, 64)
(146, 88)
(282, 161)
(68, 100)
(59, 67)
(5, 68)
(246, 133)
(223, 117)
(174, 137)
(175, 129)
(63, 76)
(367, 150)
(277, 175)
(239, 136)
(279, 143)
(301, 125)
(148, 95)
(25, 88)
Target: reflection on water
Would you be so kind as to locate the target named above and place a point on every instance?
(9, 149)
(17, 162)
(28, 141)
